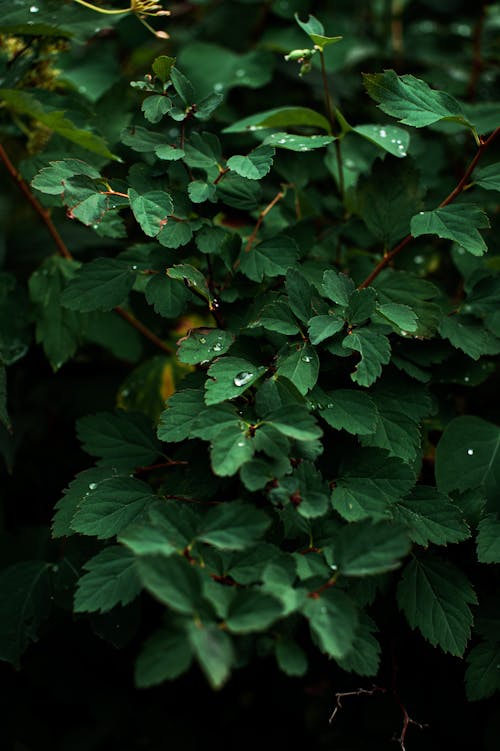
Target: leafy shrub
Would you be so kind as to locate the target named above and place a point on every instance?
(267, 302)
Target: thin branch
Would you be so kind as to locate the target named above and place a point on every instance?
(261, 218)
(36, 205)
(340, 695)
(459, 188)
(63, 249)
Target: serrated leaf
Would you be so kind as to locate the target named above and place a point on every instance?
(25, 604)
(375, 351)
(404, 288)
(469, 335)
(370, 483)
(270, 258)
(468, 456)
(488, 177)
(431, 517)
(333, 619)
(175, 234)
(111, 580)
(162, 67)
(293, 142)
(183, 409)
(290, 657)
(367, 549)
(280, 117)
(252, 610)
(364, 656)
(192, 277)
(482, 677)
(230, 377)
(412, 100)
(306, 489)
(435, 596)
(402, 317)
(101, 284)
(173, 581)
(254, 165)
(151, 210)
(294, 421)
(488, 539)
(300, 364)
(457, 222)
(167, 296)
(361, 306)
(110, 504)
(323, 327)
(164, 657)
(51, 179)
(124, 439)
(277, 316)
(200, 191)
(392, 139)
(214, 651)
(350, 410)
(155, 106)
(337, 287)
(230, 449)
(233, 526)
(202, 345)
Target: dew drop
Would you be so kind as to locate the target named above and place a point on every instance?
(333, 567)
(240, 72)
(466, 379)
(252, 127)
(241, 443)
(404, 333)
(421, 213)
(382, 133)
(418, 259)
(470, 452)
(304, 148)
(282, 140)
(242, 378)
(306, 358)
(322, 609)
(203, 340)
(34, 9)
(217, 347)
(92, 485)
(134, 267)
(218, 86)
(55, 568)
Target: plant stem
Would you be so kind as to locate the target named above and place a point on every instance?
(332, 121)
(64, 251)
(103, 10)
(261, 218)
(459, 188)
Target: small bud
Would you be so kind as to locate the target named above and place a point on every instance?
(299, 55)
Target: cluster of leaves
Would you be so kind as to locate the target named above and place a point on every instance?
(323, 302)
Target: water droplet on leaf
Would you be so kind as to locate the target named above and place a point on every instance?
(92, 485)
(242, 378)
(470, 452)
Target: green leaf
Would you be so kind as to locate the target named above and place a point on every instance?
(175, 233)
(200, 191)
(388, 198)
(482, 677)
(435, 596)
(291, 658)
(488, 177)
(155, 106)
(167, 296)
(412, 100)
(488, 539)
(392, 139)
(233, 526)
(124, 439)
(350, 410)
(323, 327)
(173, 581)
(183, 409)
(214, 651)
(468, 456)
(24, 604)
(162, 67)
(333, 619)
(294, 421)
(277, 316)
(364, 656)
(370, 483)
(193, 278)
(361, 306)
(56, 328)
(151, 210)
(367, 549)
(164, 657)
(101, 284)
(230, 449)
(469, 335)
(251, 610)
(293, 142)
(202, 345)
(300, 364)
(110, 504)
(337, 287)
(431, 517)
(24, 103)
(279, 117)
(111, 579)
(270, 258)
(306, 489)
(51, 179)
(254, 165)
(375, 351)
(315, 31)
(401, 317)
(230, 377)
(457, 222)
